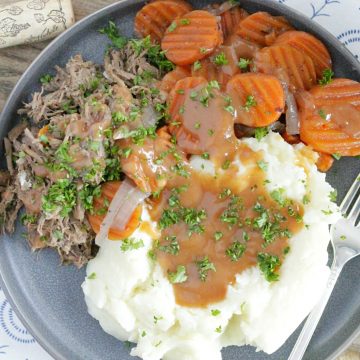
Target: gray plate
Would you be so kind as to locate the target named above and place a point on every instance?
(48, 297)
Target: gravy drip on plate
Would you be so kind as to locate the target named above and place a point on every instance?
(236, 214)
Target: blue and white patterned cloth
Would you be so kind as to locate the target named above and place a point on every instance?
(340, 17)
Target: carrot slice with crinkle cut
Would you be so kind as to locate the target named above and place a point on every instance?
(258, 99)
(154, 18)
(231, 19)
(177, 95)
(191, 38)
(310, 45)
(288, 64)
(101, 204)
(330, 118)
(262, 28)
(171, 78)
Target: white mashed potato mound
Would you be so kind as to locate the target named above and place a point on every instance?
(133, 300)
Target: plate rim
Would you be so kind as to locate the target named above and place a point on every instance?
(276, 6)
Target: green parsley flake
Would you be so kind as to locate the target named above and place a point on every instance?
(211, 132)
(333, 195)
(179, 276)
(112, 33)
(243, 64)
(263, 165)
(327, 77)
(235, 251)
(220, 59)
(261, 132)
(197, 65)
(336, 156)
(215, 312)
(185, 21)
(218, 235)
(172, 247)
(205, 156)
(204, 266)
(131, 244)
(45, 79)
(226, 164)
(197, 125)
(92, 276)
(218, 329)
(249, 103)
(172, 27)
(268, 265)
(322, 114)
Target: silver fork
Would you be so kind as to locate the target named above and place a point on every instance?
(345, 238)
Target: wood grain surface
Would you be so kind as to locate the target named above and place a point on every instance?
(15, 60)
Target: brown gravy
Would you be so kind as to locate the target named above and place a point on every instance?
(231, 213)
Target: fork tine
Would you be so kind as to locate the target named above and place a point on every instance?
(354, 212)
(350, 196)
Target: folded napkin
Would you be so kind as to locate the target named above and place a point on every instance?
(27, 21)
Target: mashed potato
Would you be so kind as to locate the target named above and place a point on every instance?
(129, 295)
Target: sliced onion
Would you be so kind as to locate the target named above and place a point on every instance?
(292, 115)
(227, 5)
(125, 201)
(149, 117)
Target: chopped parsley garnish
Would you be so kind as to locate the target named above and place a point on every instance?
(215, 312)
(45, 79)
(87, 195)
(333, 195)
(203, 50)
(342, 237)
(172, 247)
(205, 156)
(179, 276)
(211, 132)
(218, 329)
(61, 197)
(327, 77)
(286, 250)
(306, 199)
(197, 125)
(327, 212)
(185, 21)
(235, 251)
(181, 91)
(172, 27)
(230, 109)
(322, 114)
(263, 165)
(220, 59)
(226, 164)
(336, 156)
(231, 215)
(92, 276)
(197, 65)
(218, 235)
(278, 196)
(193, 95)
(28, 219)
(249, 103)
(193, 219)
(243, 64)
(180, 170)
(204, 266)
(268, 265)
(157, 318)
(112, 33)
(131, 244)
(261, 132)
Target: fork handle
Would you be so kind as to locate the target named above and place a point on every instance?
(314, 317)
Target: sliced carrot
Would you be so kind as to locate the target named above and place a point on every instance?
(324, 162)
(191, 38)
(153, 19)
(100, 204)
(176, 97)
(258, 99)
(231, 19)
(310, 45)
(171, 78)
(262, 28)
(288, 64)
(330, 118)
(291, 139)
